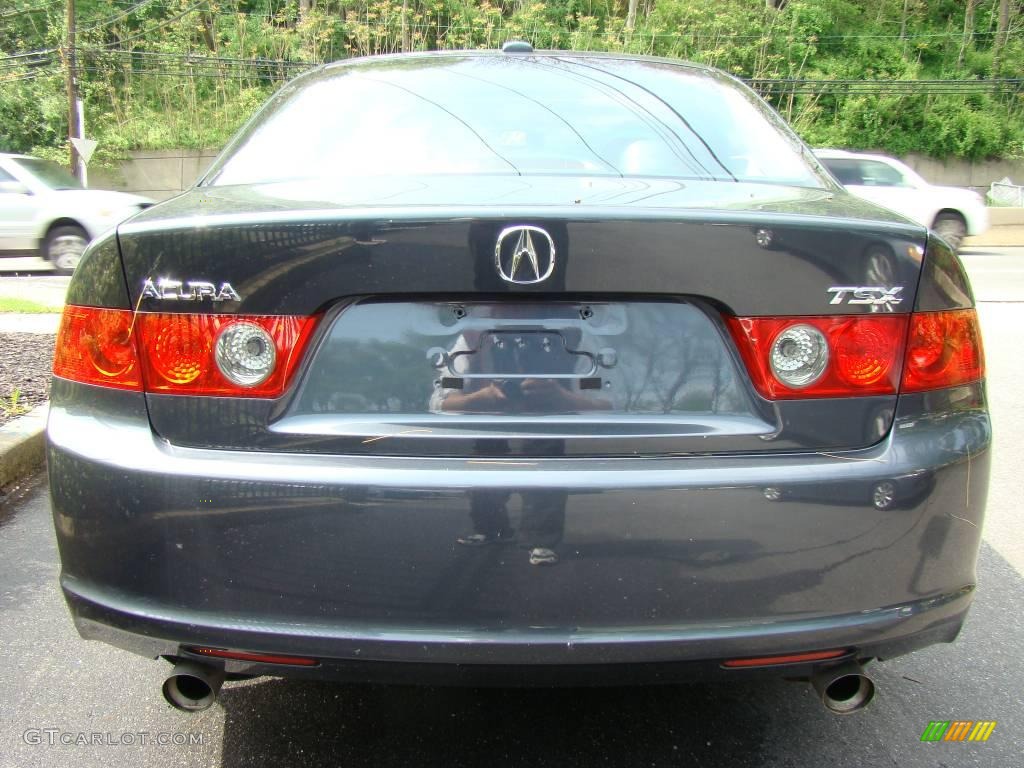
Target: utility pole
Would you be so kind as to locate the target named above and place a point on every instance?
(631, 14)
(71, 76)
(1002, 32)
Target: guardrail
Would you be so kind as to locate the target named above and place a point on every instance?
(1005, 193)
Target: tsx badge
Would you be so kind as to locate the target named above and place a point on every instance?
(876, 295)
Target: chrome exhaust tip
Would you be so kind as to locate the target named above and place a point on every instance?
(192, 687)
(843, 688)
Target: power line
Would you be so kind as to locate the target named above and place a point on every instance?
(27, 59)
(31, 59)
(117, 17)
(27, 53)
(35, 64)
(98, 60)
(201, 58)
(448, 28)
(784, 86)
(185, 65)
(160, 25)
(268, 75)
(20, 78)
(909, 36)
(23, 11)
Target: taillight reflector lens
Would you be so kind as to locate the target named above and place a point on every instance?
(862, 357)
(174, 353)
(245, 353)
(97, 346)
(943, 350)
(798, 356)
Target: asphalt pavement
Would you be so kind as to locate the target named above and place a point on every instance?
(997, 276)
(106, 704)
(25, 265)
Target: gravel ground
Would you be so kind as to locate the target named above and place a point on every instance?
(25, 360)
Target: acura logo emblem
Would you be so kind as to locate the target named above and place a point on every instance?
(524, 255)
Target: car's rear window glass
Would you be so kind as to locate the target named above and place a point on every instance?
(881, 175)
(846, 171)
(49, 173)
(504, 115)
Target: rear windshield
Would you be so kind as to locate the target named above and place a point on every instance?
(516, 116)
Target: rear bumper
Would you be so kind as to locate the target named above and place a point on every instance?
(525, 657)
(681, 561)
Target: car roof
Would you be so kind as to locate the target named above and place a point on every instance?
(360, 61)
(607, 59)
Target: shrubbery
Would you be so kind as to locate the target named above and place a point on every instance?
(154, 102)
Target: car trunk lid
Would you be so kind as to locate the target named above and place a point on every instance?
(425, 348)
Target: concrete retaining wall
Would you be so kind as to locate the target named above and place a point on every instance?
(162, 174)
(155, 174)
(960, 173)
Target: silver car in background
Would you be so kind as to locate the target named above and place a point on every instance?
(952, 212)
(45, 211)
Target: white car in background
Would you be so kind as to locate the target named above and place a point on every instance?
(45, 211)
(952, 212)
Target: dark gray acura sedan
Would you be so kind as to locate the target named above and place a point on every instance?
(518, 368)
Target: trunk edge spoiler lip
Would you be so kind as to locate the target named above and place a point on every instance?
(427, 214)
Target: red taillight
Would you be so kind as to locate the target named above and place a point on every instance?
(866, 351)
(173, 353)
(861, 354)
(178, 352)
(97, 346)
(943, 349)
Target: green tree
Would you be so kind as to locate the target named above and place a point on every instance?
(185, 73)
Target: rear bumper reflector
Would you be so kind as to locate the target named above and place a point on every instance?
(795, 658)
(262, 658)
